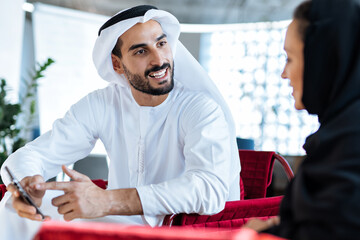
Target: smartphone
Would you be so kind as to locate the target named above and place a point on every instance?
(24, 195)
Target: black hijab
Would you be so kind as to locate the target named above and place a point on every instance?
(332, 57)
(323, 200)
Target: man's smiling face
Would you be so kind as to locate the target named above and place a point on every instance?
(146, 59)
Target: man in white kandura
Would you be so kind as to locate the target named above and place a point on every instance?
(168, 133)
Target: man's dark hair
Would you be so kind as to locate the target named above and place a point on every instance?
(130, 13)
(117, 48)
(301, 14)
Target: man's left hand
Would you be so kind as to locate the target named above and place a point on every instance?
(81, 199)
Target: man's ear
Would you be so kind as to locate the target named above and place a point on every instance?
(117, 64)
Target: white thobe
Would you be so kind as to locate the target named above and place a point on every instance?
(177, 154)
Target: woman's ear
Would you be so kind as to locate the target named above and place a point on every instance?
(117, 64)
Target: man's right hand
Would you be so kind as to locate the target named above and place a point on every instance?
(30, 186)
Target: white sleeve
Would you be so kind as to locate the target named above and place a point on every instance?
(71, 138)
(204, 186)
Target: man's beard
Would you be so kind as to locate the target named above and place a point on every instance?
(142, 84)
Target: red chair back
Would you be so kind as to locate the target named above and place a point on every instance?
(256, 172)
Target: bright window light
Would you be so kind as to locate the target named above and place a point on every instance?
(246, 62)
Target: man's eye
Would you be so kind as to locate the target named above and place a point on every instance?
(162, 43)
(141, 51)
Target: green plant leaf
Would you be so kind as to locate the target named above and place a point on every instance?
(32, 107)
(10, 140)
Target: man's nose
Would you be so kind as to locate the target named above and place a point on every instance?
(156, 58)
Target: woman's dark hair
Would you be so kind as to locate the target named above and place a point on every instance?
(301, 14)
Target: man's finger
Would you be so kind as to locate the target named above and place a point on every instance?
(35, 180)
(36, 217)
(66, 208)
(60, 200)
(23, 207)
(11, 188)
(65, 186)
(74, 175)
(70, 216)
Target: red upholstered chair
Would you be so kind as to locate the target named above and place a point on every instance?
(256, 176)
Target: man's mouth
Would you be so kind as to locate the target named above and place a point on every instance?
(159, 74)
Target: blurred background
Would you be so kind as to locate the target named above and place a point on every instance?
(238, 42)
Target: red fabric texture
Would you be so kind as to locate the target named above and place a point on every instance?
(100, 183)
(234, 215)
(256, 172)
(242, 190)
(2, 190)
(109, 231)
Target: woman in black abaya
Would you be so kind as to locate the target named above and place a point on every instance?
(323, 48)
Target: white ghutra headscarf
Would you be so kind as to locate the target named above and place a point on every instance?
(187, 70)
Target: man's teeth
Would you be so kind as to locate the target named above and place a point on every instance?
(158, 74)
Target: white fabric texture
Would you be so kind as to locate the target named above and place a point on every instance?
(176, 154)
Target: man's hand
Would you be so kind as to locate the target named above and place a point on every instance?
(81, 199)
(31, 186)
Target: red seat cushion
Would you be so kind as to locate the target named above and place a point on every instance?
(234, 215)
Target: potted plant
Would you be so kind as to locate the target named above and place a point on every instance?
(12, 134)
